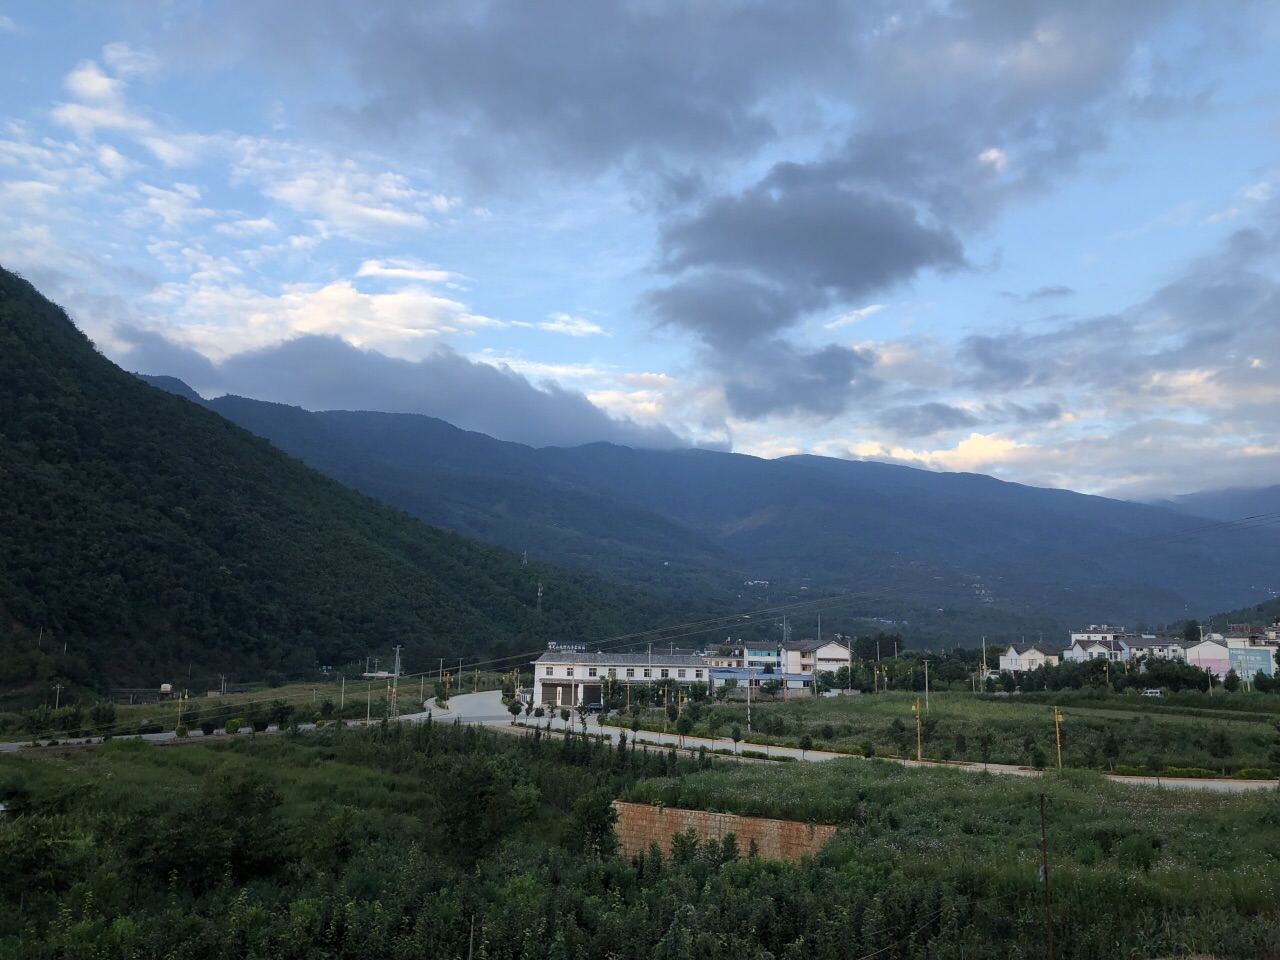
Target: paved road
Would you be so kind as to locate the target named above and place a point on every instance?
(487, 708)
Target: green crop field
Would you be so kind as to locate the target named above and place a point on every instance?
(1097, 733)
(444, 840)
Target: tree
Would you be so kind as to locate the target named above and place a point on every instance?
(684, 726)
(771, 687)
(985, 740)
(515, 708)
(806, 744)
(1232, 682)
(564, 715)
(1219, 745)
(714, 723)
(102, 715)
(279, 713)
(1191, 632)
(735, 734)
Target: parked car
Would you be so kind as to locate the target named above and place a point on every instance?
(1153, 693)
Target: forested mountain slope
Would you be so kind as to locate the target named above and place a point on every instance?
(956, 554)
(158, 541)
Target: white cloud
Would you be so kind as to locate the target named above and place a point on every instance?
(219, 317)
(246, 228)
(994, 158)
(853, 316)
(114, 162)
(127, 62)
(570, 325)
(347, 196)
(405, 269)
(175, 207)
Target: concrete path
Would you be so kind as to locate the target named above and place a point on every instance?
(487, 709)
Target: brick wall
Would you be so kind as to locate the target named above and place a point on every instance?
(640, 825)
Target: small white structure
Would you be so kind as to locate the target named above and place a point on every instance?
(1021, 657)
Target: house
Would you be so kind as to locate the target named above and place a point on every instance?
(811, 657)
(1082, 650)
(1166, 649)
(1210, 654)
(1020, 657)
(570, 678)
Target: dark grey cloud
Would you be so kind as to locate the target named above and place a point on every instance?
(925, 419)
(325, 373)
(816, 242)
(1051, 292)
(775, 377)
(575, 85)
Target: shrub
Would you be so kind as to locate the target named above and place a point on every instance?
(180, 730)
(1193, 773)
(207, 727)
(1255, 773)
(151, 728)
(320, 723)
(233, 726)
(259, 725)
(868, 749)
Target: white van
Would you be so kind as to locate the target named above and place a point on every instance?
(1153, 693)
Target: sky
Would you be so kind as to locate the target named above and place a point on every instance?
(1036, 240)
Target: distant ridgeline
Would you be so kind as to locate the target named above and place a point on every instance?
(155, 540)
(955, 555)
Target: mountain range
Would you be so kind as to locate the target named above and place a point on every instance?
(952, 554)
(144, 538)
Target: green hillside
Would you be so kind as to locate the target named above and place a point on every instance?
(156, 541)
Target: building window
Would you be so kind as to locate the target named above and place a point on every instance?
(569, 672)
(680, 674)
(631, 672)
(591, 671)
(646, 673)
(613, 673)
(664, 673)
(551, 671)
(698, 674)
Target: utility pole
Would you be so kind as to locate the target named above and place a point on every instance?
(926, 686)
(223, 678)
(915, 708)
(342, 701)
(1044, 876)
(395, 688)
(1057, 729)
(751, 679)
(57, 696)
(368, 704)
(539, 598)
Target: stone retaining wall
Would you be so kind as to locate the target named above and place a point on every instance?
(640, 825)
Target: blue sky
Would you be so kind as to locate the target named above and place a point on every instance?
(1036, 240)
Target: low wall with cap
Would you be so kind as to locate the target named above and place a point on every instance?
(641, 824)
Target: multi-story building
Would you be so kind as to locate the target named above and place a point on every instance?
(570, 678)
(811, 657)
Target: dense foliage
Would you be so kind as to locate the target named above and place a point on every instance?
(448, 841)
(148, 537)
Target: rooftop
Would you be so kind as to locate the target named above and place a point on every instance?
(606, 658)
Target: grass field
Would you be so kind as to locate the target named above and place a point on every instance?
(310, 701)
(1096, 733)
